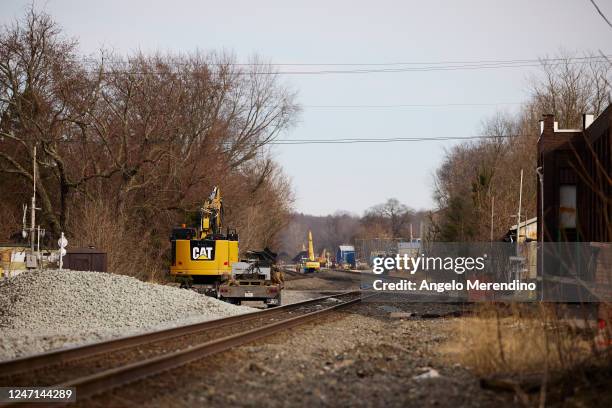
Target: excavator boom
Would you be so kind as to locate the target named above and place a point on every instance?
(211, 214)
(311, 255)
(311, 264)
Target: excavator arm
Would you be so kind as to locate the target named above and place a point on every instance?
(211, 214)
(311, 264)
(311, 254)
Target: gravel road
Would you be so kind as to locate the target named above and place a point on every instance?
(45, 310)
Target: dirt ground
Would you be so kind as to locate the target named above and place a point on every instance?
(367, 355)
(324, 280)
(357, 357)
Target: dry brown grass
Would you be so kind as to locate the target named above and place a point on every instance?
(129, 251)
(10, 222)
(522, 340)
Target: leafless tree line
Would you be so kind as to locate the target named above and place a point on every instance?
(391, 219)
(477, 176)
(139, 140)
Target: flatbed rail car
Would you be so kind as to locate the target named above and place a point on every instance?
(255, 279)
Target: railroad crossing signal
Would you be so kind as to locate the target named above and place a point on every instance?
(62, 242)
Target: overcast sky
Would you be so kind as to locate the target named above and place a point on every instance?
(327, 178)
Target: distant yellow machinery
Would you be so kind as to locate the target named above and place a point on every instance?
(204, 256)
(324, 258)
(310, 264)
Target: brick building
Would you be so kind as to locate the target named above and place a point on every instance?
(576, 167)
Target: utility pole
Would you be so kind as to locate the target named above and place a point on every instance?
(518, 218)
(540, 173)
(33, 204)
(492, 213)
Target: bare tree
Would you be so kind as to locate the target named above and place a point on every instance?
(394, 215)
(40, 83)
(138, 142)
(474, 173)
(569, 88)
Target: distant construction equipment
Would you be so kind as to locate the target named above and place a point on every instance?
(310, 264)
(324, 258)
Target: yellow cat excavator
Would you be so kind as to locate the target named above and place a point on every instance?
(206, 259)
(310, 264)
(203, 256)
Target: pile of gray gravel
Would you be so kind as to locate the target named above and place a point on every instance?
(44, 310)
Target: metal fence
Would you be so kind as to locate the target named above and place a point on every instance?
(366, 249)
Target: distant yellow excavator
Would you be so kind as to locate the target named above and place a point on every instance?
(310, 264)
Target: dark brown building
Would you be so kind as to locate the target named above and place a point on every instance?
(576, 166)
(575, 262)
(85, 259)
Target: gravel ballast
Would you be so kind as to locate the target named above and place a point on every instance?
(45, 310)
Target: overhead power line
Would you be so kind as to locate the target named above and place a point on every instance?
(421, 105)
(432, 68)
(393, 67)
(384, 140)
(349, 140)
(299, 142)
(181, 61)
(601, 13)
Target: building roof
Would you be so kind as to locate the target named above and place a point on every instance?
(530, 221)
(84, 251)
(346, 248)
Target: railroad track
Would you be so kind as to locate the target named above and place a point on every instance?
(366, 278)
(292, 272)
(96, 368)
(363, 277)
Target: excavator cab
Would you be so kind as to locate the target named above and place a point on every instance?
(182, 233)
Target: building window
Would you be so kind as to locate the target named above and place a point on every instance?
(567, 206)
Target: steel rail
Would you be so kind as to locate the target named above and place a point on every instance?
(365, 274)
(38, 361)
(100, 382)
